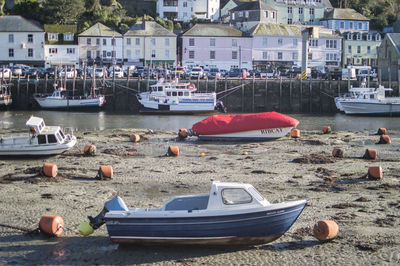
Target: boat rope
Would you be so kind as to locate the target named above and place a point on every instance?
(121, 86)
(333, 97)
(232, 90)
(24, 229)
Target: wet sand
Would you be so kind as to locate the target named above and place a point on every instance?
(367, 211)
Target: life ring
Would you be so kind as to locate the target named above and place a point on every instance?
(191, 86)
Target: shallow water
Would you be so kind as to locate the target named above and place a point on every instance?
(109, 120)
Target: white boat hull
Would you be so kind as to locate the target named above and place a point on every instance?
(377, 108)
(50, 103)
(5, 100)
(260, 134)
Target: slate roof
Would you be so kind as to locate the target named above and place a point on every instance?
(17, 24)
(99, 29)
(287, 30)
(343, 13)
(395, 39)
(215, 30)
(253, 5)
(60, 28)
(148, 28)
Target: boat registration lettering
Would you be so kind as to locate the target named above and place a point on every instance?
(271, 131)
(275, 212)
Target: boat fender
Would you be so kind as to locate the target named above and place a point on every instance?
(105, 172)
(384, 139)
(375, 172)
(325, 230)
(295, 133)
(327, 130)
(173, 151)
(381, 131)
(51, 225)
(50, 170)
(182, 134)
(338, 153)
(89, 150)
(370, 154)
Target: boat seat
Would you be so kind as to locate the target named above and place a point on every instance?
(198, 202)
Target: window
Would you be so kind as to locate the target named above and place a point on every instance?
(290, 10)
(300, 10)
(113, 41)
(212, 54)
(191, 42)
(289, 21)
(212, 42)
(53, 51)
(10, 38)
(128, 41)
(313, 43)
(311, 11)
(137, 53)
(351, 24)
(359, 36)
(266, 14)
(349, 49)
(360, 26)
(331, 44)
(191, 54)
(265, 41)
(246, 14)
(309, 56)
(153, 53)
(232, 196)
(378, 37)
(369, 37)
(342, 24)
(68, 36)
(368, 49)
(240, 13)
(358, 49)
(128, 53)
(153, 41)
(51, 36)
(273, 14)
(97, 54)
(295, 56)
(97, 41)
(184, 4)
(104, 53)
(51, 139)
(166, 42)
(88, 41)
(167, 54)
(41, 139)
(137, 41)
(331, 57)
(280, 41)
(265, 55)
(88, 54)
(70, 50)
(280, 55)
(30, 38)
(30, 52)
(10, 52)
(234, 43)
(295, 42)
(234, 54)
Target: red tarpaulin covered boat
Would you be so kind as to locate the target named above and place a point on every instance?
(259, 126)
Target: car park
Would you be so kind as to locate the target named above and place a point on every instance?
(68, 73)
(234, 73)
(196, 72)
(364, 72)
(214, 73)
(119, 72)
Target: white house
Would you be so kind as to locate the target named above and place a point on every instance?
(100, 44)
(60, 47)
(147, 42)
(185, 10)
(22, 41)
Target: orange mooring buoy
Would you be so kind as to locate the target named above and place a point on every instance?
(50, 170)
(382, 131)
(173, 151)
(295, 133)
(134, 138)
(51, 225)
(327, 130)
(183, 133)
(89, 150)
(370, 154)
(375, 172)
(105, 172)
(325, 230)
(338, 152)
(384, 139)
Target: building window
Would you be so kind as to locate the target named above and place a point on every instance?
(212, 54)
(309, 56)
(153, 53)
(279, 55)
(30, 38)
(166, 41)
(289, 21)
(342, 24)
(184, 4)
(280, 41)
(10, 38)
(378, 37)
(300, 10)
(234, 54)
(290, 10)
(88, 54)
(53, 51)
(128, 53)
(191, 42)
(358, 49)
(51, 36)
(266, 14)
(273, 14)
(88, 41)
(234, 43)
(128, 41)
(137, 41)
(368, 37)
(331, 44)
(104, 53)
(30, 52)
(240, 13)
(137, 53)
(212, 42)
(68, 36)
(351, 25)
(113, 41)
(265, 41)
(368, 49)
(191, 54)
(153, 41)
(295, 56)
(97, 54)
(311, 11)
(265, 55)
(10, 52)
(97, 41)
(360, 26)
(70, 50)
(167, 54)
(349, 49)
(295, 42)
(359, 36)
(246, 14)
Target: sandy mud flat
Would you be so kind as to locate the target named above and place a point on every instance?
(367, 211)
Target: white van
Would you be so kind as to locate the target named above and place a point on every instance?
(349, 73)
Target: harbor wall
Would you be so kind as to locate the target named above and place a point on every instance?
(282, 95)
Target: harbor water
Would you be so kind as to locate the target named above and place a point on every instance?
(111, 120)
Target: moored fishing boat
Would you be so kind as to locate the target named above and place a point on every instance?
(246, 127)
(5, 95)
(231, 213)
(42, 140)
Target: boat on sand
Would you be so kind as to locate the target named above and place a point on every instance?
(231, 213)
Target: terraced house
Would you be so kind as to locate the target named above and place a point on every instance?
(61, 45)
(185, 10)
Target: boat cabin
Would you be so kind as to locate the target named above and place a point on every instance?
(45, 134)
(172, 89)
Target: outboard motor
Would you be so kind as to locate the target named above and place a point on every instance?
(220, 107)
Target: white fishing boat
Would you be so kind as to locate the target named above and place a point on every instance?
(42, 140)
(371, 102)
(352, 94)
(5, 95)
(60, 99)
(177, 97)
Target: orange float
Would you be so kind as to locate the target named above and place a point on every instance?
(327, 130)
(183, 133)
(105, 172)
(202, 154)
(384, 139)
(325, 230)
(173, 151)
(382, 131)
(89, 149)
(51, 225)
(134, 138)
(295, 133)
(338, 152)
(370, 154)
(245, 153)
(50, 170)
(375, 172)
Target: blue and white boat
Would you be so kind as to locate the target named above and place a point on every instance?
(232, 213)
(177, 98)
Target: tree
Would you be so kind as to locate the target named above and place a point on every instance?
(63, 11)
(30, 9)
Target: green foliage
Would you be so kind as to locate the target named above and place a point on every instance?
(170, 25)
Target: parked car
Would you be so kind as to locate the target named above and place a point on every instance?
(335, 73)
(119, 72)
(363, 73)
(214, 73)
(349, 73)
(5, 73)
(50, 72)
(293, 72)
(223, 72)
(69, 73)
(267, 73)
(318, 74)
(35, 72)
(235, 73)
(17, 70)
(196, 72)
(99, 72)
